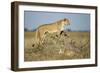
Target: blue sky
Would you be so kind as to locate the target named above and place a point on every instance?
(79, 21)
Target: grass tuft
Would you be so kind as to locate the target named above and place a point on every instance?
(71, 45)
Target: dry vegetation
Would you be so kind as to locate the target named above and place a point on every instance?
(70, 45)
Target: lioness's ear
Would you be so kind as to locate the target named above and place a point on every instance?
(65, 19)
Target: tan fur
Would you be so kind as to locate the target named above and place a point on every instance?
(57, 26)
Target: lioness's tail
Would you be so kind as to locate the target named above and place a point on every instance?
(37, 36)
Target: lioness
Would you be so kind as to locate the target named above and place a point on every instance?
(57, 26)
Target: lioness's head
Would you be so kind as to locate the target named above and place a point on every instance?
(66, 21)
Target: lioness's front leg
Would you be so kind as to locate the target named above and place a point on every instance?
(58, 33)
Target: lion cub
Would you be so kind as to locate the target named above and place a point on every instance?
(57, 26)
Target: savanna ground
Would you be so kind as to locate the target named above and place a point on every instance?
(70, 45)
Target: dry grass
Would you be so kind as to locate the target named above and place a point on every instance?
(75, 45)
